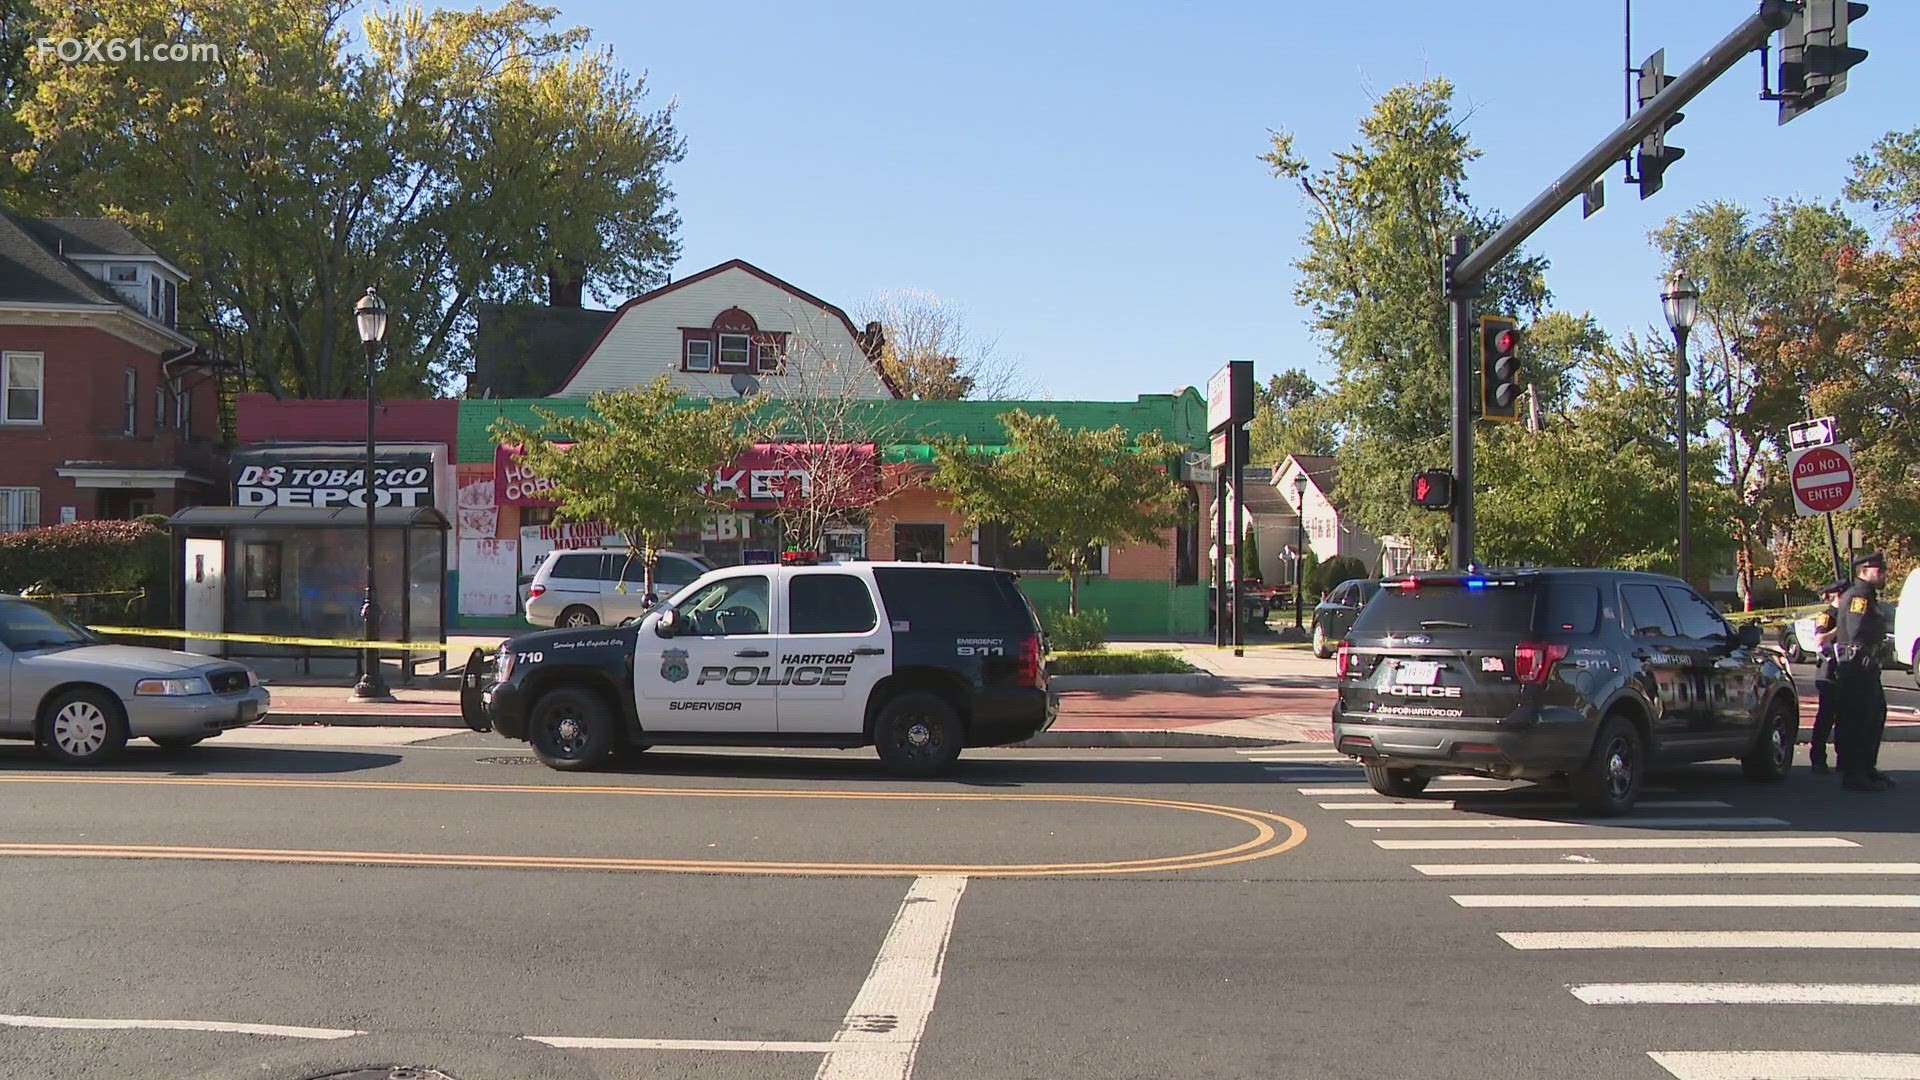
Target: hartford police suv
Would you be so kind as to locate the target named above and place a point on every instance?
(918, 660)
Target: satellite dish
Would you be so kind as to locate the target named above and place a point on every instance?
(745, 385)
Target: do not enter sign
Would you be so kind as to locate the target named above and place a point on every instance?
(1823, 479)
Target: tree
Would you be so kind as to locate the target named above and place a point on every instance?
(1068, 490)
(931, 354)
(1289, 417)
(639, 461)
(1381, 217)
(457, 157)
(1767, 291)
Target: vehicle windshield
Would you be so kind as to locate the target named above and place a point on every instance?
(25, 627)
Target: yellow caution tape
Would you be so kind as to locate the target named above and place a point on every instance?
(30, 594)
(280, 639)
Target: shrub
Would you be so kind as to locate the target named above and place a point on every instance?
(1076, 633)
(1118, 663)
(94, 569)
(1329, 575)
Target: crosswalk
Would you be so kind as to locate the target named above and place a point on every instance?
(1575, 901)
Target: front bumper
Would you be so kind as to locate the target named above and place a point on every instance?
(1003, 716)
(200, 714)
(1550, 741)
(500, 707)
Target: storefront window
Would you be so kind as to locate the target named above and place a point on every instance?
(998, 548)
(847, 544)
(920, 543)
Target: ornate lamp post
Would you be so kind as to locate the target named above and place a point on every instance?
(1681, 302)
(1299, 547)
(371, 316)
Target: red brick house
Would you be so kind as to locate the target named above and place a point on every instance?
(107, 410)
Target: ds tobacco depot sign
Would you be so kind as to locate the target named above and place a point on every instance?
(397, 481)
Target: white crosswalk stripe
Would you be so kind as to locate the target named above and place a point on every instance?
(1615, 843)
(1532, 940)
(1756, 869)
(1786, 1065)
(1748, 993)
(1543, 823)
(1493, 805)
(1688, 900)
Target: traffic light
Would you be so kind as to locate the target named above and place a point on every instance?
(1815, 55)
(1499, 368)
(1655, 155)
(1433, 489)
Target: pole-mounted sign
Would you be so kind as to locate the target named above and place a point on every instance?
(1807, 433)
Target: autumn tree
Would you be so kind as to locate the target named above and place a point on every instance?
(452, 157)
(639, 460)
(1381, 215)
(1069, 490)
(931, 353)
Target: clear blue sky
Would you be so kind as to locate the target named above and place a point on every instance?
(1083, 180)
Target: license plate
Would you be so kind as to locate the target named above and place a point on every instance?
(1416, 672)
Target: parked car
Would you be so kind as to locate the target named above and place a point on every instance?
(80, 699)
(1594, 675)
(1333, 616)
(593, 586)
(1906, 626)
(1800, 644)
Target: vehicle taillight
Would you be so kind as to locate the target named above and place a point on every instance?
(1533, 660)
(537, 590)
(1342, 659)
(1026, 671)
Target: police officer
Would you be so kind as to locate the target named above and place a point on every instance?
(1861, 627)
(1823, 680)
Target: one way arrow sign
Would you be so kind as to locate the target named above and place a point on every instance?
(1810, 433)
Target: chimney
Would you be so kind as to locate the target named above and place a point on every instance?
(565, 283)
(873, 340)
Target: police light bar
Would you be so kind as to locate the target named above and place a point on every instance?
(1415, 582)
(799, 558)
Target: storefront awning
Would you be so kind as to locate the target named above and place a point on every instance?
(109, 474)
(303, 517)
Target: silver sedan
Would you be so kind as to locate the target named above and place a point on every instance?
(81, 699)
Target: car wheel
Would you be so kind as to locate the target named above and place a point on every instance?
(83, 727)
(572, 730)
(1320, 648)
(1913, 665)
(1771, 756)
(1400, 783)
(577, 616)
(1609, 781)
(918, 734)
(177, 742)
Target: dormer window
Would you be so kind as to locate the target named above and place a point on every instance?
(154, 309)
(736, 350)
(699, 354)
(170, 303)
(123, 274)
(770, 353)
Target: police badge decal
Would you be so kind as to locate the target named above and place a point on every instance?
(673, 665)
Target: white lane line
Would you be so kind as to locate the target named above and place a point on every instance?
(1786, 1065)
(1444, 788)
(1711, 939)
(1592, 823)
(568, 1042)
(78, 1023)
(1747, 993)
(1796, 869)
(1689, 900)
(1318, 753)
(1489, 805)
(1619, 842)
(881, 1035)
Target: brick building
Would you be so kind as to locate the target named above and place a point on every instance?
(109, 410)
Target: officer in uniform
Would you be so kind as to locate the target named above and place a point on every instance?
(1823, 680)
(1860, 629)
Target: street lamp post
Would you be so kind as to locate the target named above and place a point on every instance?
(1299, 546)
(1681, 302)
(371, 315)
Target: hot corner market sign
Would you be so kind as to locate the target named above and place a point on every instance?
(1823, 481)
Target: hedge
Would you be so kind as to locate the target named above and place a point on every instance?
(95, 570)
(1118, 663)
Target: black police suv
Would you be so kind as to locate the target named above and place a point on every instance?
(918, 660)
(1594, 675)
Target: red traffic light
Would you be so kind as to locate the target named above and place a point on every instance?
(1507, 341)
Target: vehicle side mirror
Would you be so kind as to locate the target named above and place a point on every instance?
(1749, 635)
(668, 624)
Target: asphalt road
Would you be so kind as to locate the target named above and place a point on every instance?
(1059, 914)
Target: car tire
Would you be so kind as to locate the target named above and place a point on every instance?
(1771, 756)
(918, 733)
(572, 730)
(1320, 642)
(1399, 783)
(83, 727)
(1913, 665)
(577, 616)
(177, 742)
(1609, 781)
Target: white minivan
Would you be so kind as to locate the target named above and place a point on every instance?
(592, 586)
(1906, 626)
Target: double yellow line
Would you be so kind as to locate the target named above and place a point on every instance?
(1272, 834)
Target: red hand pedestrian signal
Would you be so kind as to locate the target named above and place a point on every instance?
(1433, 489)
(1421, 485)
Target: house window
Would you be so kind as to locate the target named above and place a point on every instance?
(920, 543)
(19, 508)
(735, 350)
(183, 413)
(154, 308)
(999, 549)
(699, 354)
(23, 374)
(260, 571)
(159, 408)
(122, 274)
(170, 298)
(769, 354)
(133, 394)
